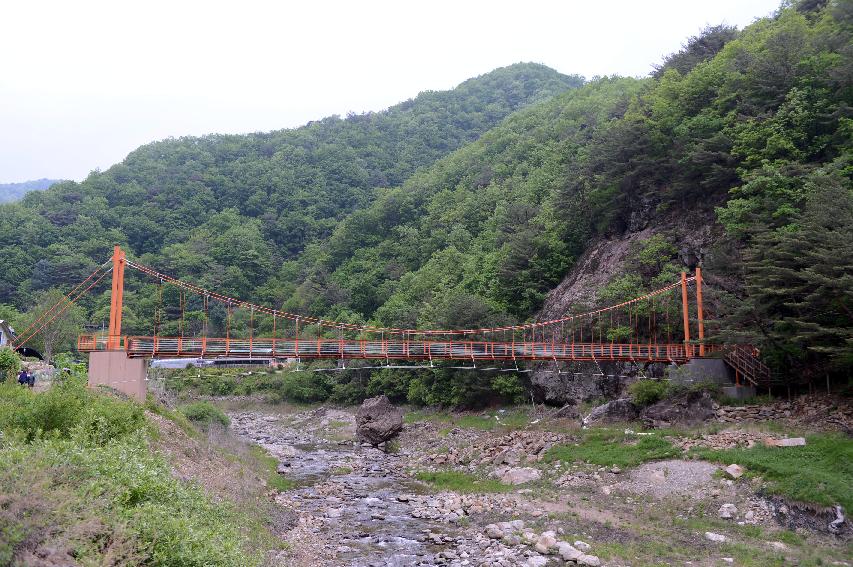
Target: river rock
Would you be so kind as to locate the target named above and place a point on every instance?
(727, 511)
(568, 552)
(734, 470)
(591, 560)
(689, 408)
(613, 411)
(521, 475)
(546, 542)
(377, 421)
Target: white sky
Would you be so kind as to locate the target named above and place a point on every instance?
(82, 83)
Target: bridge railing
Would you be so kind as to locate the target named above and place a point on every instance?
(140, 346)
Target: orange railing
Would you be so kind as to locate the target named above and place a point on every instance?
(139, 346)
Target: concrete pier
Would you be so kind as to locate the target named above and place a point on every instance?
(115, 370)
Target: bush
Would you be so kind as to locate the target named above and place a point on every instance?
(646, 392)
(205, 414)
(10, 364)
(306, 387)
(64, 408)
(509, 387)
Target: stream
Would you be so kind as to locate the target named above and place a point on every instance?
(356, 499)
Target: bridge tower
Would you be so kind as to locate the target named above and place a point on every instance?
(112, 367)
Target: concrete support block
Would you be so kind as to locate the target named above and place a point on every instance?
(739, 392)
(697, 370)
(115, 370)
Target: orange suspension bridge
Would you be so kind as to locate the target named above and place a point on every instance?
(655, 327)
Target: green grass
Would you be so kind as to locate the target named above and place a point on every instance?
(270, 465)
(819, 473)
(175, 416)
(461, 482)
(609, 447)
(78, 475)
(509, 419)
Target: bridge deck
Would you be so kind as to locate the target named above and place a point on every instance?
(175, 347)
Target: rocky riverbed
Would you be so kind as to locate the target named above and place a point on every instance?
(355, 505)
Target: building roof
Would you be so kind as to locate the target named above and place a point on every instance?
(7, 329)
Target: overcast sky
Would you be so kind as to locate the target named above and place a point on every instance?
(82, 83)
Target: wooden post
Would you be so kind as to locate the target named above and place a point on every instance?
(116, 299)
(687, 351)
(700, 313)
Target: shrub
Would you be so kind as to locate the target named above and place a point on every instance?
(64, 408)
(306, 387)
(509, 387)
(646, 392)
(10, 364)
(205, 414)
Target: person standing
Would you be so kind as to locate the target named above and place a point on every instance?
(24, 377)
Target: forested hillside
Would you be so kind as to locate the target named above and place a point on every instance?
(355, 219)
(753, 127)
(13, 191)
(263, 196)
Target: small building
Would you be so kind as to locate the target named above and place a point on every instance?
(7, 333)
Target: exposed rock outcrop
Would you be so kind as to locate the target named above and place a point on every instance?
(377, 421)
(612, 412)
(690, 408)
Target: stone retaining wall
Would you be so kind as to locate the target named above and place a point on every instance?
(816, 411)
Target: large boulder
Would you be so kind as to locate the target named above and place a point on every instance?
(613, 411)
(689, 408)
(377, 421)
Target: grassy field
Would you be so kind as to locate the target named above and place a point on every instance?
(608, 447)
(512, 418)
(821, 472)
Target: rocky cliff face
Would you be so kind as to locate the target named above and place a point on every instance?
(694, 234)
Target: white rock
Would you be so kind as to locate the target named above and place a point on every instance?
(520, 475)
(727, 511)
(715, 537)
(494, 532)
(734, 471)
(589, 560)
(790, 442)
(536, 561)
(568, 552)
(583, 546)
(778, 545)
(545, 543)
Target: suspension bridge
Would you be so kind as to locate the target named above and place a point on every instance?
(656, 327)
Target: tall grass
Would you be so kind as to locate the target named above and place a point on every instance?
(79, 482)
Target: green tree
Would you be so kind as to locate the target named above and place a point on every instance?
(58, 330)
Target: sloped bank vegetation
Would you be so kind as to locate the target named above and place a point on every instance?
(81, 483)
